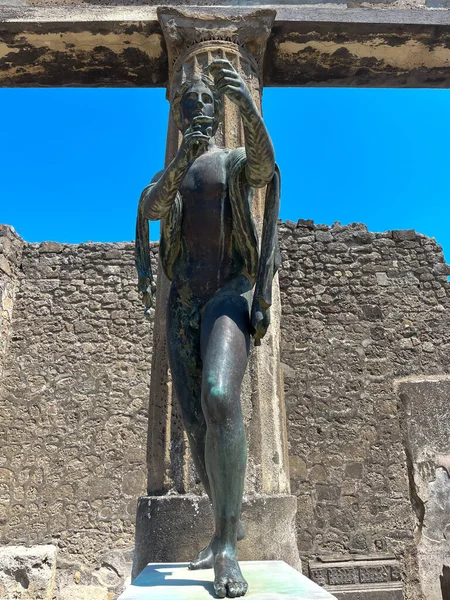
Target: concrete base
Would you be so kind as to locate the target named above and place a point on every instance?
(271, 580)
(175, 528)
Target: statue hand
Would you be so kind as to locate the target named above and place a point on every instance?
(147, 288)
(196, 137)
(228, 81)
(259, 321)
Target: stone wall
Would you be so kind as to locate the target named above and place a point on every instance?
(359, 311)
(74, 406)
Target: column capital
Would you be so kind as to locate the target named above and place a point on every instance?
(194, 39)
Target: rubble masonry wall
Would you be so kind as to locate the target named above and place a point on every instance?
(360, 310)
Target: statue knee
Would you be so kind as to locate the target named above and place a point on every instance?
(216, 403)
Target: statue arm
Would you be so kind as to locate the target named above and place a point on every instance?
(158, 198)
(258, 145)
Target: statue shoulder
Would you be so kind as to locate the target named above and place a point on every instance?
(154, 180)
(157, 176)
(236, 158)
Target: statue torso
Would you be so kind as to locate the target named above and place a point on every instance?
(207, 260)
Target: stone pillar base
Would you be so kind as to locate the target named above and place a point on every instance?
(175, 528)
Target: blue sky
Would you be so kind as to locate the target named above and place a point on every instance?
(73, 161)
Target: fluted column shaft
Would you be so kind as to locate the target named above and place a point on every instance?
(193, 41)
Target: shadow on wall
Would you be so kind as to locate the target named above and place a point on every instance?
(445, 583)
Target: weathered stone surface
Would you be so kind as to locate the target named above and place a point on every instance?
(83, 592)
(11, 247)
(27, 573)
(114, 570)
(46, 247)
(426, 430)
(56, 43)
(347, 334)
(74, 405)
(364, 578)
(177, 526)
(5, 266)
(363, 592)
(111, 572)
(403, 235)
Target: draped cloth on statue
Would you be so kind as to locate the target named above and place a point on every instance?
(259, 265)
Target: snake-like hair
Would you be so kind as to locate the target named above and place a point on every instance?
(178, 96)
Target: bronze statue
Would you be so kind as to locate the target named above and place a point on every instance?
(209, 250)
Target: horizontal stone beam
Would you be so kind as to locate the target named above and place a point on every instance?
(122, 46)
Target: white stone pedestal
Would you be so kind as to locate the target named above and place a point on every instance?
(267, 580)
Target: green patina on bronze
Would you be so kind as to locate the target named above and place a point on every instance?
(221, 289)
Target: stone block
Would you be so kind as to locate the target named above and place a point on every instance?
(4, 265)
(50, 247)
(441, 269)
(308, 223)
(382, 279)
(343, 575)
(387, 591)
(319, 575)
(267, 580)
(404, 235)
(374, 574)
(115, 569)
(328, 493)
(324, 236)
(366, 577)
(7, 231)
(27, 573)
(372, 312)
(426, 431)
(176, 528)
(83, 592)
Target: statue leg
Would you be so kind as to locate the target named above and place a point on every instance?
(225, 343)
(186, 368)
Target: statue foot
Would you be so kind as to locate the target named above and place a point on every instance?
(205, 559)
(228, 581)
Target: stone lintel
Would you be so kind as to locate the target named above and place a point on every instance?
(123, 46)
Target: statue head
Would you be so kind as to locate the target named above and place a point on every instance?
(196, 96)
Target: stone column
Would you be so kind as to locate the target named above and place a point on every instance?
(175, 520)
(423, 403)
(11, 247)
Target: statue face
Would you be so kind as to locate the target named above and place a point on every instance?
(197, 100)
